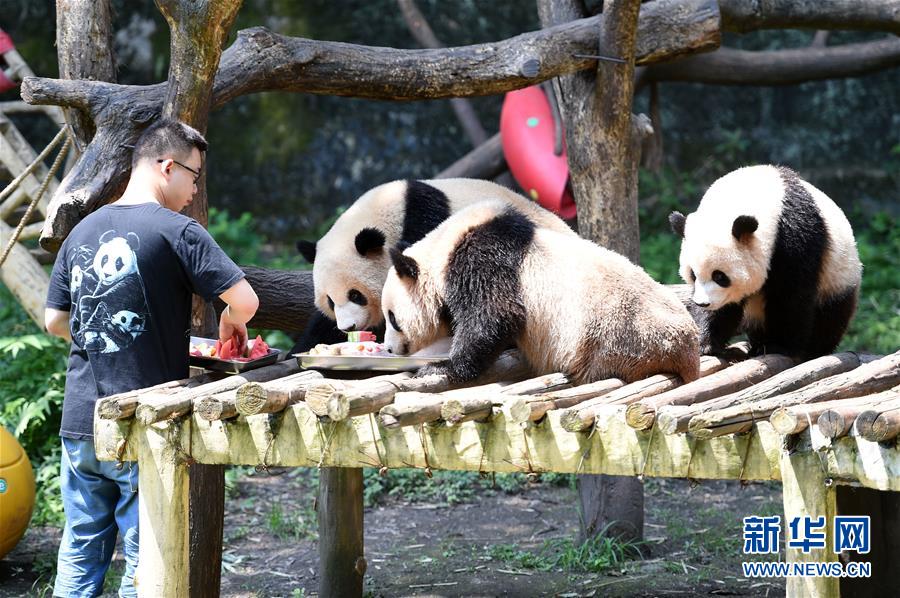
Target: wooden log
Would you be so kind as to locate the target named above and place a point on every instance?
(533, 408)
(23, 276)
(642, 414)
(344, 400)
(153, 408)
(675, 420)
(865, 422)
(285, 298)
(217, 407)
(410, 409)
(122, 405)
(581, 417)
(273, 396)
(794, 419)
(886, 427)
(869, 378)
(457, 410)
(837, 423)
(340, 514)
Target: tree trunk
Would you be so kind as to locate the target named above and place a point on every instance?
(285, 298)
(198, 31)
(85, 51)
(601, 130)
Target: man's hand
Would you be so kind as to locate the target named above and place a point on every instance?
(228, 328)
(242, 304)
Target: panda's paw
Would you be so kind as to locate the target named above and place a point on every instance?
(442, 368)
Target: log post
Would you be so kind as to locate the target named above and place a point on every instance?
(342, 564)
(806, 494)
(600, 129)
(164, 559)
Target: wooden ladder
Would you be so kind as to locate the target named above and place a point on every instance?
(22, 272)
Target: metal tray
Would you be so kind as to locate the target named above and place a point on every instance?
(365, 362)
(229, 366)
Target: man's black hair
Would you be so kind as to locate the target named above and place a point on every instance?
(166, 138)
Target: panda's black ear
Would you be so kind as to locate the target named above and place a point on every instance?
(743, 227)
(676, 221)
(406, 266)
(369, 240)
(307, 249)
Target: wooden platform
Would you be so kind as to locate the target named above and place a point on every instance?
(496, 427)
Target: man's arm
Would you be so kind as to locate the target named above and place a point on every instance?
(241, 305)
(57, 323)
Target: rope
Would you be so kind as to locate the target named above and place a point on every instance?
(37, 161)
(52, 173)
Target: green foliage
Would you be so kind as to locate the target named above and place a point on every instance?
(876, 326)
(596, 555)
(31, 393)
(295, 524)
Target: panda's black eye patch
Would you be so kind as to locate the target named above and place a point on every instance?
(356, 297)
(721, 279)
(330, 303)
(393, 321)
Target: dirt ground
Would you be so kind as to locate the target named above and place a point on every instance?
(482, 547)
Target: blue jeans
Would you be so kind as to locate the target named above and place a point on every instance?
(99, 501)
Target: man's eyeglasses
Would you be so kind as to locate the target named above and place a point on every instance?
(195, 172)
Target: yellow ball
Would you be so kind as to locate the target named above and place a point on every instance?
(16, 491)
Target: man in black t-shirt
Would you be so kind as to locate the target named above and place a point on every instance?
(120, 291)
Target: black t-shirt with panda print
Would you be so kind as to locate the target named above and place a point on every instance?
(126, 273)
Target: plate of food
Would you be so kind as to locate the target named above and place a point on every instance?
(362, 352)
(217, 356)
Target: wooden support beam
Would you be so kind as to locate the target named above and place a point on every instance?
(154, 407)
(24, 277)
(675, 420)
(794, 419)
(342, 564)
(163, 477)
(808, 493)
(218, 406)
(642, 414)
(864, 424)
(275, 395)
(581, 417)
(869, 378)
(122, 405)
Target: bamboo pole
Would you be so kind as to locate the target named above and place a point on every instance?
(675, 419)
(153, 407)
(793, 419)
(872, 377)
(273, 396)
(642, 414)
(581, 417)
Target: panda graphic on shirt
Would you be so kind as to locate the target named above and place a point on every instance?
(109, 293)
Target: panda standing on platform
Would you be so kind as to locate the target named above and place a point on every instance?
(351, 261)
(494, 279)
(768, 254)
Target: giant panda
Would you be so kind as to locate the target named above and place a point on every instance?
(492, 277)
(351, 261)
(769, 254)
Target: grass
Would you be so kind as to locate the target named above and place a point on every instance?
(295, 524)
(596, 555)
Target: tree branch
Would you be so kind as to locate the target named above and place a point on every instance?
(862, 15)
(728, 66)
(260, 60)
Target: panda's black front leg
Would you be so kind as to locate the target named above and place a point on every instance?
(474, 349)
(788, 326)
(717, 327)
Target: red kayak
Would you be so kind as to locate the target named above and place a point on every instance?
(528, 134)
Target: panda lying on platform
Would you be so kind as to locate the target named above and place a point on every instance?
(769, 254)
(351, 261)
(494, 278)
